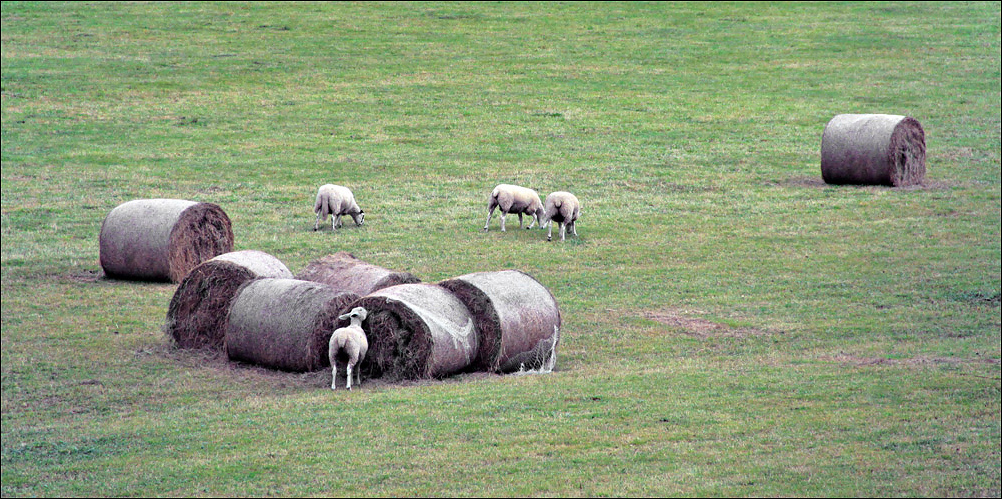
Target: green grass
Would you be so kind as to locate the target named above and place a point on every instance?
(732, 325)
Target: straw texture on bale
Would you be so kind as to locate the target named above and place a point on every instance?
(162, 239)
(196, 317)
(345, 272)
(284, 323)
(517, 319)
(873, 149)
(417, 331)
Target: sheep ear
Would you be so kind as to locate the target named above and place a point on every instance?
(344, 317)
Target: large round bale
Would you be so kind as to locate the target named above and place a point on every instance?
(345, 272)
(517, 318)
(162, 239)
(196, 317)
(417, 331)
(284, 323)
(873, 149)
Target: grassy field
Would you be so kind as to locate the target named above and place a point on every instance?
(732, 326)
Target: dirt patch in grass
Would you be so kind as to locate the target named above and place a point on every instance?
(920, 360)
(681, 321)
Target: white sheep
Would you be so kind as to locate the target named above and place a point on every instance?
(514, 199)
(349, 344)
(565, 209)
(336, 200)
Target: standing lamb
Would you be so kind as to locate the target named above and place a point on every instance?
(336, 200)
(565, 209)
(348, 344)
(514, 199)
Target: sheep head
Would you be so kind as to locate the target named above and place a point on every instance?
(358, 312)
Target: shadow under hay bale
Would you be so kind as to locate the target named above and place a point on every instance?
(873, 149)
(417, 331)
(162, 239)
(345, 272)
(196, 317)
(284, 323)
(517, 319)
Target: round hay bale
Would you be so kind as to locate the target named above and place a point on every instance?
(162, 239)
(516, 316)
(284, 323)
(873, 149)
(417, 331)
(345, 272)
(196, 317)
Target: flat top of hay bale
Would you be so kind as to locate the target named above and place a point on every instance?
(344, 271)
(259, 262)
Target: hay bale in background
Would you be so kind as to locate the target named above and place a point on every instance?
(284, 323)
(516, 316)
(162, 239)
(417, 331)
(873, 149)
(345, 272)
(196, 317)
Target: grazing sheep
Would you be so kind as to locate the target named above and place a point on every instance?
(349, 344)
(565, 209)
(336, 200)
(514, 199)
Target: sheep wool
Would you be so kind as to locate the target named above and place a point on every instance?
(196, 317)
(517, 319)
(162, 239)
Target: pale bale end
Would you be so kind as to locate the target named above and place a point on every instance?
(516, 316)
(417, 331)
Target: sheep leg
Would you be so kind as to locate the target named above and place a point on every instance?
(574, 228)
(316, 225)
(349, 376)
(549, 234)
(490, 212)
(563, 230)
(337, 222)
(334, 375)
(520, 220)
(503, 215)
(535, 220)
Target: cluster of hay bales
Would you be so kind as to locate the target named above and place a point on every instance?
(248, 304)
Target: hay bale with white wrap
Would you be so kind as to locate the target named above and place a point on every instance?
(196, 317)
(284, 323)
(873, 149)
(162, 239)
(517, 319)
(345, 272)
(417, 331)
